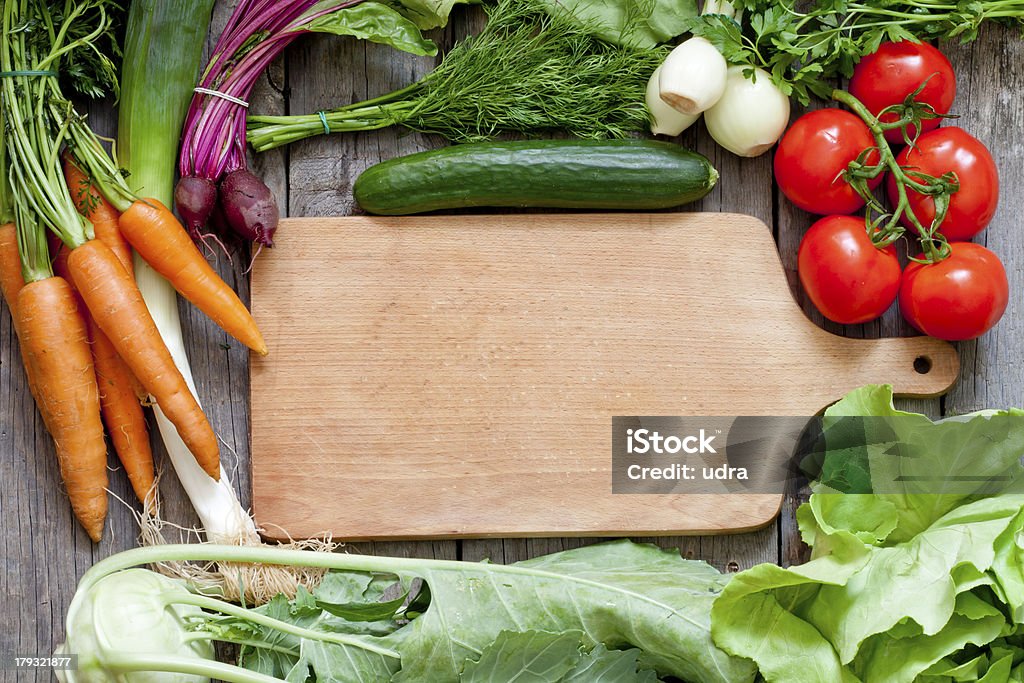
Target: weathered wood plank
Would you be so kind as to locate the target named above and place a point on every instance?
(790, 224)
(993, 374)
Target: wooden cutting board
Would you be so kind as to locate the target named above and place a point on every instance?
(457, 375)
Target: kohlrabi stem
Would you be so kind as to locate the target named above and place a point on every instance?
(210, 552)
(125, 663)
(888, 161)
(206, 635)
(215, 605)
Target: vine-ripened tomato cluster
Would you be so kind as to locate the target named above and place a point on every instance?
(941, 189)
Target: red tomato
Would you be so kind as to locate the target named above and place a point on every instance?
(812, 156)
(958, 298)
(896, 70)
(953, 149)
(847, 277)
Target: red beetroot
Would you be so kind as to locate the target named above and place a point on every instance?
(250, 209)
(195, 198)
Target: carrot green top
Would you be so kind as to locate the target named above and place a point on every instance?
(37, 118)
(97, 164)
(6, 207)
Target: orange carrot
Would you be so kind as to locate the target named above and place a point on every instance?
(103, 216)
(162, 241)
(118, 309)
(122, 413)
(119, 402)
(11, 279)
(11, 282)
(57, 353)
(60, 267)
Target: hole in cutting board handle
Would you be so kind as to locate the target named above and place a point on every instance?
(922, 365)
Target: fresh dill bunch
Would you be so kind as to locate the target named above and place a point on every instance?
(527, 72)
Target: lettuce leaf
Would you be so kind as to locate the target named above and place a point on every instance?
(922, 469)
(921, 582)
(809, 623)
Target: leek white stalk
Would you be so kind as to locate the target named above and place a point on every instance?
(752, 114)
(215, 502)
(665, 120)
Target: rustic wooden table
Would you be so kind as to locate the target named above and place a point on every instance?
(44, 552)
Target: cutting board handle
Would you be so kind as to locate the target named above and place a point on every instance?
(917, 367)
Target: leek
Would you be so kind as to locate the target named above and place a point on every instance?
(161, 62)
(163, 48)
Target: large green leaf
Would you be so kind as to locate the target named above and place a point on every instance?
(427, 14)
(376, 22)
(620, 594)
(602, 665)
(477, 621)
(634, 23)
(331, 663)
(541, 657)
(525, 657)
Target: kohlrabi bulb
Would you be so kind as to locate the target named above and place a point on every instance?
(127, 615)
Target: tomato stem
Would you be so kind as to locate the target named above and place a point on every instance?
(933, 243)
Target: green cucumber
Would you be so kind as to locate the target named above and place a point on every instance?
(570, 174)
